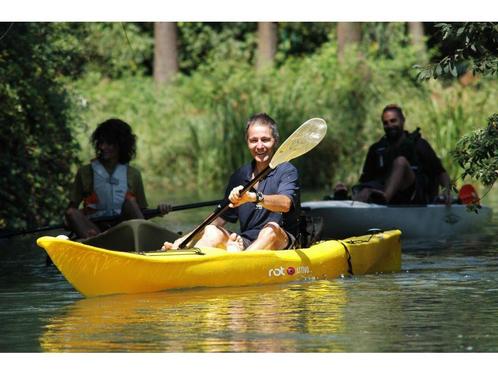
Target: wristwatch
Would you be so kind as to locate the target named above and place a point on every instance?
(259, 197)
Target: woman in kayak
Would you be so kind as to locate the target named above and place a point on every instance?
(269, 213)
(108, 186)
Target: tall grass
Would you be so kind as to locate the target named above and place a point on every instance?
(191, 134)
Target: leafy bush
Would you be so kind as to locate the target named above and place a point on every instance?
(191, 134)
(472, 49)
(37, 113)
(475, 45)
(477, 153)
(115, 49)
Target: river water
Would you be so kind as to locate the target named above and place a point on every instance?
(445, 299)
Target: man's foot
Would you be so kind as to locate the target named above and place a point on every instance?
(377, 197)
(235, 243)
(167, 246)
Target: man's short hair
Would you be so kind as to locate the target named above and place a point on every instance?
(264, 119)
(394, 107)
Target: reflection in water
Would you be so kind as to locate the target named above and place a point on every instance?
(248, 319)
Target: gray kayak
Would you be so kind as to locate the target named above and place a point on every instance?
(346, 218)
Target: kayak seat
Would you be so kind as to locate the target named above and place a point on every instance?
(310, 229)
(136, 235)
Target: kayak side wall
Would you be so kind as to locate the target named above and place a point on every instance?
(95, 272)
(347, 218)
(380, 253)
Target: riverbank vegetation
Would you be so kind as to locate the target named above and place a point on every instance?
(190, 131)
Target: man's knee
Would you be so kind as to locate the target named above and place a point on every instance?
(130, 203)
(273, 233)
(270, 231)
(73, 214)
(131, 209)
(70, 212)
(401, 162)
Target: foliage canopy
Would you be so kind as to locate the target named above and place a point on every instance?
(477, 153)
(38, 148)
(477, 51)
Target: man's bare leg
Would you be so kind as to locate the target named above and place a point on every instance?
(272, 236)
(214, 237)
(401, 177)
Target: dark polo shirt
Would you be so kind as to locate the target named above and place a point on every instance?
(283, 180)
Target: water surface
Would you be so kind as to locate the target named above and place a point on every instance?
(444, 300)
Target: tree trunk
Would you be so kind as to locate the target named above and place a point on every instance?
(416, 31)
(165, 52)
(267, 44)
(348, 34)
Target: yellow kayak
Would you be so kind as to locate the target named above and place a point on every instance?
(95, 271)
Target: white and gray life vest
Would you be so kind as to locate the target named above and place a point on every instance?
(110, 189)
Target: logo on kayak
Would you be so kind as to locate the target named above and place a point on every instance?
(281, 271)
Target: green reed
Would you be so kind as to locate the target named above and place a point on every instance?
(191, 134)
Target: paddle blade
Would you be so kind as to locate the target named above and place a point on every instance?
(305, 138)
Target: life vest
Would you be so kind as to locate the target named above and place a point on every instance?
(109, 191)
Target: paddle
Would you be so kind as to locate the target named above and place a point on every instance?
(148, 213)
(301, 141)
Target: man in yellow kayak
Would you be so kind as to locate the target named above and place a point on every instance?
(269, 213)
(108, 186)
(402, 167)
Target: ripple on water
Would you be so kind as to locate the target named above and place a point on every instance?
(443, 300)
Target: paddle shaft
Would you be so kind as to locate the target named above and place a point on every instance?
(148, 213)
(221, 209)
